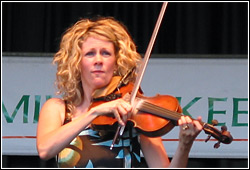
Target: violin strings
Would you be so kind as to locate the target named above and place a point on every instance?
(159, 111)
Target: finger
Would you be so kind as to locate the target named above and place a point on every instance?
(123, 113)
(127, 110)
(184, 121)
(189, 122)
(197, 125)
(126, 106)
(118, 117)
(188, 119)
(199, 118)
(181, 121)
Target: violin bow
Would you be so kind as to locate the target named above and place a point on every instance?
(141, 71)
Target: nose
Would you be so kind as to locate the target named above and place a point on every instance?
(98, 59)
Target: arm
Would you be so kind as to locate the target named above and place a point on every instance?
(52, 135)
(186, 139)
(154, 151)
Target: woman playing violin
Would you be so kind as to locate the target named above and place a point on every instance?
(92, 54)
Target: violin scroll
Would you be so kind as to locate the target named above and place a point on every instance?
(222, 136)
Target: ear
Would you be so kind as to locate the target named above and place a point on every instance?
(115, 72)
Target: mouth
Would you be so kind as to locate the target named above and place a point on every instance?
(97, 71)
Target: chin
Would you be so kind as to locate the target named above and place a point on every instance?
(100, 84)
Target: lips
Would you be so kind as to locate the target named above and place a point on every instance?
(97, 71)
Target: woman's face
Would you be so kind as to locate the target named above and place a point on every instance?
(98, 62)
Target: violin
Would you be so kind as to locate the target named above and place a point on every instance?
(152, 116)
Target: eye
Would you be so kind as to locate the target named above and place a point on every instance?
(106, 53)
(89, 54)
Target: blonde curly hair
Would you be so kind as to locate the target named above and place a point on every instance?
(68, 76)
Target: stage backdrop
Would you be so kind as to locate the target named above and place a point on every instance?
(208, 87)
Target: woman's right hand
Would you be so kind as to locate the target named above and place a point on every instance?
(119, 108)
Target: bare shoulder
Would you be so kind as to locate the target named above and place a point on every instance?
(53, 108)
(51, 116)
(57, 102)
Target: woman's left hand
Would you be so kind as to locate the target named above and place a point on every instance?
(189, 130)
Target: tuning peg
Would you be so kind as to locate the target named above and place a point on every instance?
(208, 137)
(214, 122)
(217, 145)
(223, 128)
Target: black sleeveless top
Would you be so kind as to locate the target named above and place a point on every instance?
(90, 149)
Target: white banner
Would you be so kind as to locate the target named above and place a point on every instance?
(211, 88)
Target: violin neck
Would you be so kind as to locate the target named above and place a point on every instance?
(158, 111)
(153, 109)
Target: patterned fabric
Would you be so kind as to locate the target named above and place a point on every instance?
(90, 150)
